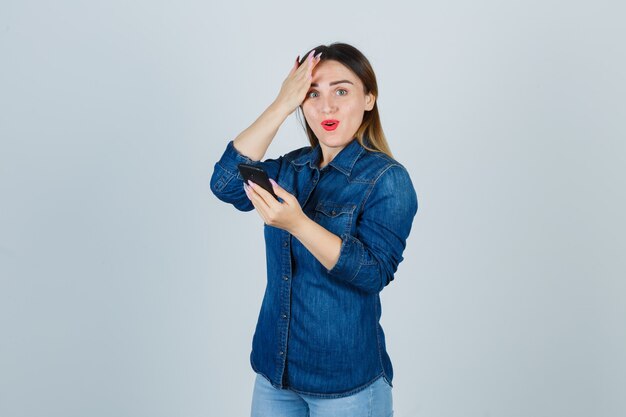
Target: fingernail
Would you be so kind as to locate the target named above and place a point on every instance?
(318, 55)
(273, 182)
(298, 58)
(250, 184)
(311, 54)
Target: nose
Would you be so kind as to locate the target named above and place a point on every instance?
(328, 104)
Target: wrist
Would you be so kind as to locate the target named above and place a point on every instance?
(299, 227)
(280, 108)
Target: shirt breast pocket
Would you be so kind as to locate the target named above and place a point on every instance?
(334, 217)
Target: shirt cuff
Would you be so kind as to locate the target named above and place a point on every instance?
(226, 168)
(231, 158)
(350, 259)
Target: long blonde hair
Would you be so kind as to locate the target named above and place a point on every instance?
(370, 134)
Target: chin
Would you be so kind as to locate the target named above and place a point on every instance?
(335, 143)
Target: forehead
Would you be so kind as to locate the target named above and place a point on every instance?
(331, 70)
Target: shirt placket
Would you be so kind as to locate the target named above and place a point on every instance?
(285, 302)
(287, 275)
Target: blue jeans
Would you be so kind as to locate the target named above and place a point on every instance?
(373, 401)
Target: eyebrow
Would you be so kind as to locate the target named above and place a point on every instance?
(333, 83)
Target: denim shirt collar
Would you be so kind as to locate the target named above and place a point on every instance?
(344, 161)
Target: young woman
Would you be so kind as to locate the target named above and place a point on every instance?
(333, 241)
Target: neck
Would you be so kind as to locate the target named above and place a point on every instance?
(327, 158)
(328, 154)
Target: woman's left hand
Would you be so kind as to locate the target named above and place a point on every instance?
(286, 215)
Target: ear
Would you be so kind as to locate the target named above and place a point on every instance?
(369, 101)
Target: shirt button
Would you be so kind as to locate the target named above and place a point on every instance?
(285, 277)
(285, 243)
(284, 316)
(333, 212)
(281, 353)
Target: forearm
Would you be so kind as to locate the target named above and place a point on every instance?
(326, 248)
(322, 244)
(254, 141)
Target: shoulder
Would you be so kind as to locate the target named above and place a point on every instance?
(376, 166)
(390, 181)
(297, 153)
(286, 159)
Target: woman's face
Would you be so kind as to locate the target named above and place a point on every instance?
(336, 95)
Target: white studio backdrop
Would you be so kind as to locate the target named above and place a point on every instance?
(128, 289)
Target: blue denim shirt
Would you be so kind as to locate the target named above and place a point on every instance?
(318, 330)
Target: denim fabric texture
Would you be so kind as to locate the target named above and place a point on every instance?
(376, 400)
(318, 330)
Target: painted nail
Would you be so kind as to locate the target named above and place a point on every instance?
(311, 54)
(318, 55)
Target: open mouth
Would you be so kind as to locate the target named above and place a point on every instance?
(330, 124)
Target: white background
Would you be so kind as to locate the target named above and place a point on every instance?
(128, 289)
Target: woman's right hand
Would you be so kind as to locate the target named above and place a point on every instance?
(254, 141)
(295, 87)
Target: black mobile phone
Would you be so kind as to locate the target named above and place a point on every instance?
(258, 176)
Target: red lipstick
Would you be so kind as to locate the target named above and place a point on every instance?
(330, 124)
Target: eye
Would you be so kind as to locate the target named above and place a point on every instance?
(311, 94)
(341, 89)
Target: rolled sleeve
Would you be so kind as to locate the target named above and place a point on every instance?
(350, 258)
(226, 181)
(370, 259)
